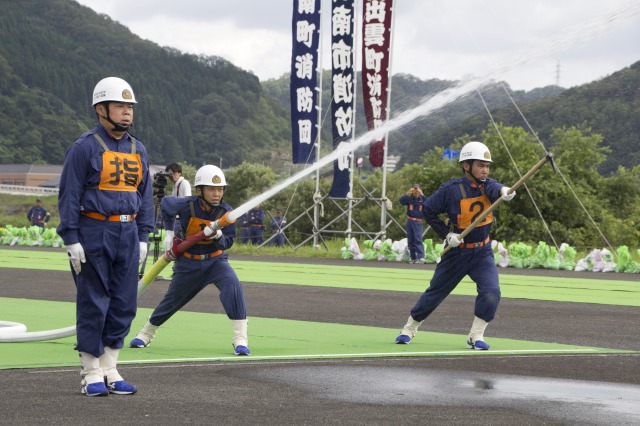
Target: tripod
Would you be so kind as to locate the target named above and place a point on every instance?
(158, 225)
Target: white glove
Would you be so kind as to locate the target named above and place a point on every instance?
(213, 231)
(144, 247)
(168, 240)
(505, 196)
(453, 239)
(76, 256)
(170, 256)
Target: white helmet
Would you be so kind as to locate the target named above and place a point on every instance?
(210, 176)
(475, 151)
(113, 89)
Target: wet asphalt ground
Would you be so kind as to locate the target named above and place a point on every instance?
(495, 390)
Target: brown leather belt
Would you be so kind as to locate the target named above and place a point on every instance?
(475, 245)
(202, 256)
(415, 219)
(115, 218)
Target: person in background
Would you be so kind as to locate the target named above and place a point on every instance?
(106, 212)
(181, 186)
(245, 232)
(276, 224)
(462, 200)
(38, 215)
(203, 264)
(256, 220)
(414, 200)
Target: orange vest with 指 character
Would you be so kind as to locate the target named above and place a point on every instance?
(120, 171)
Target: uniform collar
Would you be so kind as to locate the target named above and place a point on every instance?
(472, 183)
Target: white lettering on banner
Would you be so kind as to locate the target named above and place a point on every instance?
(342, 88)
(304, 130)
(304, 66)
(376, 105)
(375, 10)
(343, 160)
(374, 81)
(306, 6)
(304, 32)
(373, 59)
(304, 98)
(341, 52)
(343, 121)
(374, 34)
(341, 21)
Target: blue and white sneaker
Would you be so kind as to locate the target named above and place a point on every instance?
(122, 388)
(95, 389)
(242, 350)
(403, 339)
(478, 345)
(137, 343)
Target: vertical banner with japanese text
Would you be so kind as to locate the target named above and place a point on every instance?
(342, 90)
(376, 42)
(304, 90)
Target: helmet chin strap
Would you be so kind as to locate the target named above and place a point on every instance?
(475, 179)
(117, 127)
(207, 204)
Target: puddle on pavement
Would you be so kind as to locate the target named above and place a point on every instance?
(572, 400)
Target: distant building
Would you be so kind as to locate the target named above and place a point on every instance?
(45, 175)
(27, 178)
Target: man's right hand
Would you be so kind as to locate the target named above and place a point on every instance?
(454, 240)
(76, 256)
(170, 256)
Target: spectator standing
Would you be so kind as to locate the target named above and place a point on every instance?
(38, 215)
(181, 186)
(245, 232)
(414, 200)
(256, 224)
(276, 224)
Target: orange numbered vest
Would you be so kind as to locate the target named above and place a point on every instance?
(472, 208)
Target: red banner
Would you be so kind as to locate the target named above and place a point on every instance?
(376, 43)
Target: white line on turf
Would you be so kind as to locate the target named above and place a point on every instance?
(359, 355)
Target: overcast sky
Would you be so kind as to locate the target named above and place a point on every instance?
(444, 39)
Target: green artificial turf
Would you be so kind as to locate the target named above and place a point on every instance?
(369, 277)
(191, 336)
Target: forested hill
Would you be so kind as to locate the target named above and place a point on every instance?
(407, 92)
(608, 106)
(201, 109)
(190, 108)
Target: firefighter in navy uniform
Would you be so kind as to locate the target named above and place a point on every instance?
(203, 264)
(276, 224)
(245, 233)
(106, 213)
(414, 199)
(462, 200)
(256, 224)
(38, 215)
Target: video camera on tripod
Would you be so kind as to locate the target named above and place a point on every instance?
(160, 184)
